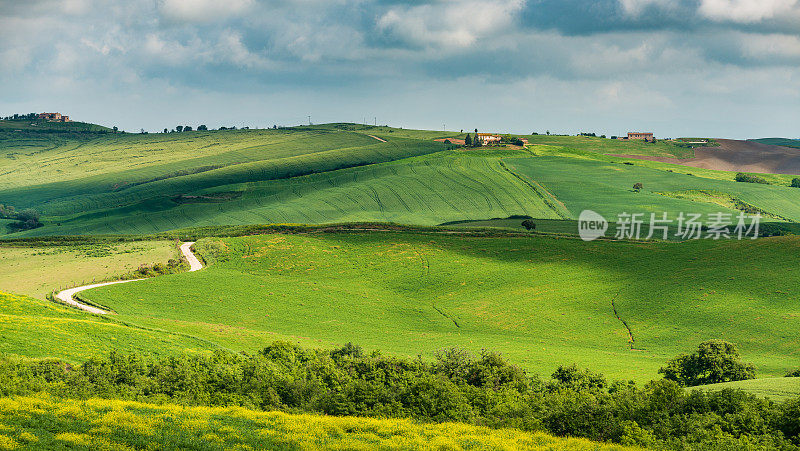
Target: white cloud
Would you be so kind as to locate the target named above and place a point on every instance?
(771, 46)
(748, 11)
(202, 11)
(452, 24)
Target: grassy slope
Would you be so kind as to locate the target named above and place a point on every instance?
(615, 146)
(50, 423)
(541, 301)
(36, 270)
(40, 329)
(425, 190)
(149, 183)
(606, 187)
(775, 388)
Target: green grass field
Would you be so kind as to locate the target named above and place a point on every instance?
(42, 329)
(38, 269)
(541, 301)
(129, 183)
(50, 423)
(775, 388)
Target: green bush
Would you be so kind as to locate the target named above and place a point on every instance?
(456, 386)
(749, 178)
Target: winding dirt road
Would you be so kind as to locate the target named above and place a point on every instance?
(66, 296)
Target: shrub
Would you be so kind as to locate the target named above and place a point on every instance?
(529, 225)
(795, 373)
(638, 186)
(749, 178)
(715, 361)
(796, 182)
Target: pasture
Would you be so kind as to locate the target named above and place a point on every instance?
(51, 423)
(38, 269)
(541, 301)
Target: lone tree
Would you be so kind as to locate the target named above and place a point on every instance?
(529, 225)
(468, 140)
(715, 361)
(179, 128)
(638, 186)
(795, 182)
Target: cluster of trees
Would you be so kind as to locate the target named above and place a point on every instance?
(25, 220)
(21, 117)
(749, 178)
(456, 386)
(795, 182)
(593, 135)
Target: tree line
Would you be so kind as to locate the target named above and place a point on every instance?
(485, 389)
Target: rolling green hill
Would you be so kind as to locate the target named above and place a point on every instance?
(541, 301)
(138, 184)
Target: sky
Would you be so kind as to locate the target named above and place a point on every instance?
(710, 68)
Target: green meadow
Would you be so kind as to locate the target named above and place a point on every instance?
(33, 328)
(540, 301)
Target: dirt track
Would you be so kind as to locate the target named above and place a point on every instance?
(65, 296)
(738, 156)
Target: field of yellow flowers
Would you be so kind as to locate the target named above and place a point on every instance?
(46, 422)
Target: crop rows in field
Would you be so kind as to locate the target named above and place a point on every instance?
(421, 191)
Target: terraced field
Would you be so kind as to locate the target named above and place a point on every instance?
(541, 301)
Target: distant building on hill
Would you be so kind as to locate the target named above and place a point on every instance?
(641, 135)
(54, 117)
(488, 138)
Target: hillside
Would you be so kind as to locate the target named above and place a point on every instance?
(137, 184)
(531, 298)
(20, 129)
(51, 423)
